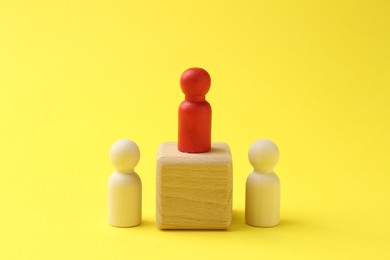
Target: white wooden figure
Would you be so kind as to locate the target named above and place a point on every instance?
(262, 202)
(124, 185)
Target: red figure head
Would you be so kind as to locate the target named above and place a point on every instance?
(195, 83)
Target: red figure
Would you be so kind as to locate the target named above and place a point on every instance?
(195, 112)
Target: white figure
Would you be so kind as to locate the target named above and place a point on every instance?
(262, 203)
(124, 185)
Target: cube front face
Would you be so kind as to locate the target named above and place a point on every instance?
(194, 191)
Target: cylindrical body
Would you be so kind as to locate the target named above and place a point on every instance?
(262, 207)
(124, 199)
(194, 126)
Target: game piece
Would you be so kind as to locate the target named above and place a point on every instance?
(194, 190)
(195, 112)
(124, 185)
(262, 207)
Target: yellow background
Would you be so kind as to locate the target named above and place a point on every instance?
(313, 76)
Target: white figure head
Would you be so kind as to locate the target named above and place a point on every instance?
(263, 155)
(124, 155)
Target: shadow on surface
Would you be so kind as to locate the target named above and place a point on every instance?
(148, 223)
(238, 225)
(238, 221)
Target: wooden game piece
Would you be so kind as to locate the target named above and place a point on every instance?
(195, 112)
(262, 207)
(194, 190)
(124, 185)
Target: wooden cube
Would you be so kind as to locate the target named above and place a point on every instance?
(194, 190)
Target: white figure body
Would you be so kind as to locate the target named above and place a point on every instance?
(124, 185)
(262, 204)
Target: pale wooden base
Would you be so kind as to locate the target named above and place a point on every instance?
(194, 190)
(124, 199)
(262, 200)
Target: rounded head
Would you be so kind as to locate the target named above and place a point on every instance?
(263, 155)
(124, 155)
(195, 82)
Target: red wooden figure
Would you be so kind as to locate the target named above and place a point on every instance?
(195, 112)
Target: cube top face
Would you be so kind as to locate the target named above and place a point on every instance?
(194, 191)
(169, 154)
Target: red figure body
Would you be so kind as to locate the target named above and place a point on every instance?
(195, 112)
